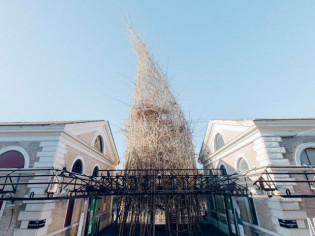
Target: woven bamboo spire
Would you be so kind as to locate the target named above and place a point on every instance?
(158, 135)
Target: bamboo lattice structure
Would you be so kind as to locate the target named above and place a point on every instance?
(158, 137)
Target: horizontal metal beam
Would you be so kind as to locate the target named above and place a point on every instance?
(62, 184)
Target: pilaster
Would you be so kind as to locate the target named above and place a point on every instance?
(270, 152)
(51, 155)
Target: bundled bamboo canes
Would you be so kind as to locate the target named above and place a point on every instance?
(158, 137)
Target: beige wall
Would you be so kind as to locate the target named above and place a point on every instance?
(229, 135)
(277, 150)
(230, 159)
(55, 149)
(88, 139)
(89, 163)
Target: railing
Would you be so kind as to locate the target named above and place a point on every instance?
(56, 184)
(280, 181)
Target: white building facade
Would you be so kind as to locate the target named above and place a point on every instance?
(78, 146)
(238, 146)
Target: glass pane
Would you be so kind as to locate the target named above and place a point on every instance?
(241, 203)
(98, 145)
(12, 159)
(218, 142)
(211, 203)
(308, 157)
(77, 167)
(220, 205)
(242, 165)
(252, 211)
(95, 172)
(223, 170)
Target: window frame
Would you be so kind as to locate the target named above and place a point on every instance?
(215, 146)
(103, 135)
(300, 150)
(237, 162)
(26, 165)
(71, 202)
(18, 149)
(82, 161)
(220, 171)
(101, 140)
(95, 166)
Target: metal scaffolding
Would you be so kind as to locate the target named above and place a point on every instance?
(282, 181)
(62, 184)
(270, 181)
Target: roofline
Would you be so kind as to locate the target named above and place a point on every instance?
(47, 123)
(264, 126)
(112, 137)
(262, 119)
(252, 130)
(108, 159)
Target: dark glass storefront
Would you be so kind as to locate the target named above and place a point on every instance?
(228, 213)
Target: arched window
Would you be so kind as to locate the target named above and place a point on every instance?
(77, 167)
(98, 144)
(95, 171)
(308, 157)
(218, 142)
(242, 165)
(12, 159)
(223, 170)
(209, 172)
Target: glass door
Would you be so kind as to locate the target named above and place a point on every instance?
(230, 215)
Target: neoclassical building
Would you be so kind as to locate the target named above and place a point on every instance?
(83, 147)
(242, 145)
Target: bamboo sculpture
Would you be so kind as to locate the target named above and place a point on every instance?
(158, 137)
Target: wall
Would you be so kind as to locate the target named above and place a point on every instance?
(31, 147)
(230, 160)
(257, 153)
(291, 144)
(89, 163)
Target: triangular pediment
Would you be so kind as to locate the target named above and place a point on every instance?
(228, 129)
(88, 132)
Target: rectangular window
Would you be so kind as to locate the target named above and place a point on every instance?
(212, 207)
(243, 206)
(252, 211)
(221, 213)
(69, 212)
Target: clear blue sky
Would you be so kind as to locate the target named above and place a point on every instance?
(72, 60)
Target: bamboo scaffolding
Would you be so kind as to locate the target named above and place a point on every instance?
(158, 137)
